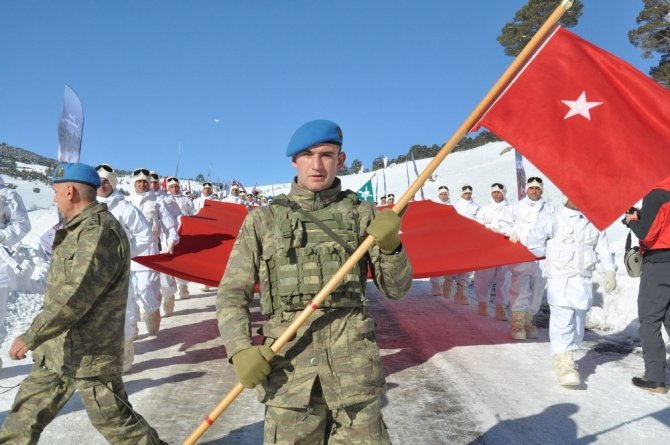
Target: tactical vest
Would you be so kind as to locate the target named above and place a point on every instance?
(569, 254)
(302, 257)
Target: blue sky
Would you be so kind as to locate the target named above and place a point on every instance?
(153, 76)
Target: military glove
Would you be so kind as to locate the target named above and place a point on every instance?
(514, 237)
(252, 365)
(610, 281)
(385, 229)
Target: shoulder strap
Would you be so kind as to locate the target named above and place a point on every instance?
(296, 208)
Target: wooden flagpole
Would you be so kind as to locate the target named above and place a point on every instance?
(358, 254)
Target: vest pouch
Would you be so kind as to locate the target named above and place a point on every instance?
(264, 282)
(560, 255)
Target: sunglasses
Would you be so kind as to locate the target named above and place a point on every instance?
(172, 179)
(141, 171)
(466, 188)
(207, 184)
(104, 167)
(497, 185)
(154, 176)
(534, 179)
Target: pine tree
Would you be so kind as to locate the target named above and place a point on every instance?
(528, 20)
(653, 36)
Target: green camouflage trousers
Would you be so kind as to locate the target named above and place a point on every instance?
(360, 424)
(43, 393)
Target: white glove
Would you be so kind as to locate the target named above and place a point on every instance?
(514, 237)
(170, 249)
(494, 229)
(610, 281)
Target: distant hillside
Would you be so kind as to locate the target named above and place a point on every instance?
(12, 157)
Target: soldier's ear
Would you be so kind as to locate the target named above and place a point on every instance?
(341, 157)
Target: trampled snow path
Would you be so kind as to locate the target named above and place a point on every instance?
(454, 377)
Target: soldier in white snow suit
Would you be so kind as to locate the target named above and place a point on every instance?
(527, 282)
(168, 287)
(447, 280)
(489, 215)
(234, 196)
(572, 247)
(184, 202)
(185, 209)
(250, 201)
(206, 195)
(138, 230)
(198, 204)
(147, 281)
(14, 225)
(465, 206)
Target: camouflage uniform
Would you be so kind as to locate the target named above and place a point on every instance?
(86, 296)
(330, 373)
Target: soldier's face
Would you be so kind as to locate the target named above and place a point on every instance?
(174, 189)
(497, 196)
(317, 166)
(534, 193)
(141, 186)
(105, 188)
(155, 186)
(206, 191)
(444, 196)
(63, 193)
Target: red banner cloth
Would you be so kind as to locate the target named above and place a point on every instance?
(438, 241)
(205, 242)
(591, 122)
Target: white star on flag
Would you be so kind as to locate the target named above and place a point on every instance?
(580, 106)
(364, 194)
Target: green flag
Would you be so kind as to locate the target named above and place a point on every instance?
(365, 192)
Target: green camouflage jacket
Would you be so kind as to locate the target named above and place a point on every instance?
(336, 344)
(79, 331)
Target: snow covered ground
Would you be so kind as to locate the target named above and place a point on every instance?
(454, 376)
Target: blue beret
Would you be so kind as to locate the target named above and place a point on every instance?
(76, 172)
(312, 133)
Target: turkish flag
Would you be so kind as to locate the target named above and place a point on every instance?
(592, 123)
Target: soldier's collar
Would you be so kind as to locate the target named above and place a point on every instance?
(308, 199)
